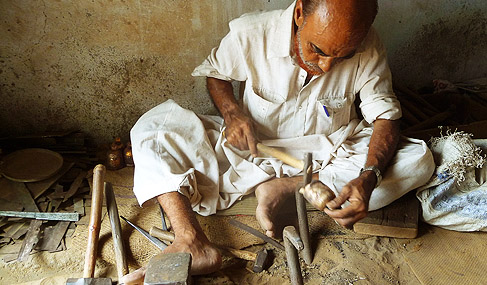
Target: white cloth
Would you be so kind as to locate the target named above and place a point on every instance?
(170, 152)
(456, 195)
(173, 147)
(257, 50)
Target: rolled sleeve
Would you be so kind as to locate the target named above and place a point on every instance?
(224, 62)
(374, 82)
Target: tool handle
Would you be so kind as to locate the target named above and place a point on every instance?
(95, 221)
(284, 157)
(120, 256)
(169, 236)
(161, 234)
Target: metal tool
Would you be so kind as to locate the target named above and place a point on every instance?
(256, 233)
(120, 256)
(94, 231)
(259, 259)
(163, 219)
(293, 243)
(302, 213)
(71, 217)
(159, 244)
(169, 268)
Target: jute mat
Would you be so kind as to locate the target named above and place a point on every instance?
(440, 256)
(216, 227)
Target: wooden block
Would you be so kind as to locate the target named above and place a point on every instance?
(399, 219)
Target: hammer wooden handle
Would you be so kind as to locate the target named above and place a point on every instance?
(284, 157)
(95, 220)
(169, 236)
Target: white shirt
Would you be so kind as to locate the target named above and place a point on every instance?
(257, 50)
(170, 153)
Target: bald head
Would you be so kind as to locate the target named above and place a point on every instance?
(330, 30)
(367, 8)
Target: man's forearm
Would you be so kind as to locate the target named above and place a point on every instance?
(383, 143)
(221, 93)
(239, 126)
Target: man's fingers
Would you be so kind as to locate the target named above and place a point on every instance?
(252, 144)
(339, 200)
(341, 213)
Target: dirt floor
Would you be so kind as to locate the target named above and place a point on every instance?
(436, 256)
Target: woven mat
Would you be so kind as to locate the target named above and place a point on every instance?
(440, 256)
(216, 227)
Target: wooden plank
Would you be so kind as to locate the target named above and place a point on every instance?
(30, 240)
(17, 192)
(75, 185)
(38, 188)
(56, 236)
(399, 219)
(79, 206)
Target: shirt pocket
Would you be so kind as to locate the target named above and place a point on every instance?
(333, 111)
(264, 107)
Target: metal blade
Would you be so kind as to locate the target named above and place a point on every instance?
(152, 239)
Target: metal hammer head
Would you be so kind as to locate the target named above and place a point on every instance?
(169, 269)
(260, 261)
(89, 281)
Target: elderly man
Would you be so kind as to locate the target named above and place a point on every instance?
(302, 68)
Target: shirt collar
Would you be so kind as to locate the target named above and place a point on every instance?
(281, 43)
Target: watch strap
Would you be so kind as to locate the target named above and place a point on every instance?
(375, 170)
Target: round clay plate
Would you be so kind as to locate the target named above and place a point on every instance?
(31, 164)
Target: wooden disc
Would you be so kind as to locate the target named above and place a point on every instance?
(31, 164)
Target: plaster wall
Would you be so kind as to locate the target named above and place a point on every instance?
(98, 66)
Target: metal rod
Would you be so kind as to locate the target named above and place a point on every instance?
(118, 246)
(256, 233)
(70, 217)
(164, 225)
(290, 236)
(158, 243)
(302, 213)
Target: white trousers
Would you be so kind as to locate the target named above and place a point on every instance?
(173, 147)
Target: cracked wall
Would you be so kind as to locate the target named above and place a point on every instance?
(98, 65)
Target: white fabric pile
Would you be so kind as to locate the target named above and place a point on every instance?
(455, 198)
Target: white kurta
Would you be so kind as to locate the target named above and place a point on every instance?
(174, 147)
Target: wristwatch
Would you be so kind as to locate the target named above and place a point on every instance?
(375, 170)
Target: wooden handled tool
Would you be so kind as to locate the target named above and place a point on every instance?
(282, 156)
(93, 232)
(95, 221)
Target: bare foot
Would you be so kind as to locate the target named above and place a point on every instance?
(270, 196)
(205, 258)
(134, 278)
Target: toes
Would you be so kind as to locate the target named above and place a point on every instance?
(264, 220)
(136, 277)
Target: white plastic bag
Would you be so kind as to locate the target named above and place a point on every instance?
(456, 196)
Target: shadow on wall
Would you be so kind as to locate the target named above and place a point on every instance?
(451, 48)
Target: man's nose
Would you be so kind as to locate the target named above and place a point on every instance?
(325, 63)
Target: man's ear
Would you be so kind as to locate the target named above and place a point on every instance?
(298, 13)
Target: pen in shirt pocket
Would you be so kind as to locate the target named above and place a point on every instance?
(326, 111)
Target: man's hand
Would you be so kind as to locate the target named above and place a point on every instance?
(240, 128)
(357, 192)
(240, 131)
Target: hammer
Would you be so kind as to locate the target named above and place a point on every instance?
(259, 258)
(93, 233)
(276, 153)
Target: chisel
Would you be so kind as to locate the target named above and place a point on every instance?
(152, 239)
